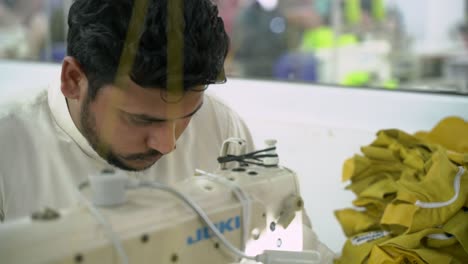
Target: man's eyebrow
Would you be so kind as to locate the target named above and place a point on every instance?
(157, 119)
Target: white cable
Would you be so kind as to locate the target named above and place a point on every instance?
(202, 215)
(245, 202)
(456, 187)
(241, 195)
(440, 236)
(110, 234)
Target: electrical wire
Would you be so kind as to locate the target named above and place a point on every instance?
(109, 233)
(241, 195)
(254, 157)
(201, 213)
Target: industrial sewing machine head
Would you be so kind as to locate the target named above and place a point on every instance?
(254, 203)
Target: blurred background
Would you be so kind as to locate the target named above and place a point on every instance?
(383, 44)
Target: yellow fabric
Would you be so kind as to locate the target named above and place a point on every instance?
(398, 217)
(412, 248)
(458, 226)
(381, 256)
(383, 190)
(436, 186)
(413, 158)
(360, 167)
(355, 222)
(457, 252)
(411, 151)
(405, 183)
(354, 166)
(388, 137)
(440, 243)
(357, 252)
(379, 153)
(373, 206)
(402, 255)
(397, 245)
(358, 186)
(376, 197)
(451, 132)
(459, 158)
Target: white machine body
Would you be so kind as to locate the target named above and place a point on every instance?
(156, 227)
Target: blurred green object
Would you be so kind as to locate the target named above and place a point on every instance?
(364, 78)
(347, 39)
(391, 84)
(323, 37)
(378, 10)
(353, 11)
(357, 78)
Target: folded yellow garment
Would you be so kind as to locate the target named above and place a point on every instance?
(354, 222)
(380, 153)
(398, 217)
(354, 166)
(380, 256)
(416, 189)
(357, 248)
(457, 252)
(385, 138)
(359, 186)
(458, 227)
(445, 240)
(428, 202)
(377, 196)
(384, 189)
(458, 158)
(374, 207)
(414, 158)
(451, 132)
(393, 254)
(394, 158)
(413, 248)
(360, 167)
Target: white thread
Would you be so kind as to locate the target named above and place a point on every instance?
(456, 187)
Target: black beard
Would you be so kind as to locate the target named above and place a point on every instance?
(88, 129)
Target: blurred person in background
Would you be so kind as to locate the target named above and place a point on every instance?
(229, 10)
(301, 16)
(23, 29)
(463, 29)
(258, 38)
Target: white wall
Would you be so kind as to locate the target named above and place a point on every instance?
(317, 127)
(24, 80)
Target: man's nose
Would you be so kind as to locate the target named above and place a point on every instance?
(163, 137)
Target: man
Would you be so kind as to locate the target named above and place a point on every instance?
(131, 96)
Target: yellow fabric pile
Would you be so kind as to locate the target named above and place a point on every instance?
(412, 198)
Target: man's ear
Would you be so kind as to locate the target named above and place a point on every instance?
(73, 79)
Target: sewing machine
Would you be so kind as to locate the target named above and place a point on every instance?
(154, 226)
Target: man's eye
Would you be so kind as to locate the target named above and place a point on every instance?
(138, 121)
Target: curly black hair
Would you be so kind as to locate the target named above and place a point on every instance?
(98, 31)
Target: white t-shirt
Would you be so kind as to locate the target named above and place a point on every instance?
(44, 156)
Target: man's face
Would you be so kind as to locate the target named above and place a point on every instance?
(132, 127)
